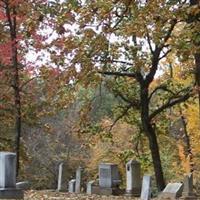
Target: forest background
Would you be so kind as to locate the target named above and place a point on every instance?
(109, 82)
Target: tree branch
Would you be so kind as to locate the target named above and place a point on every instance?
(156, 54)
(161, 87)
(120, 117)
(127, 74)
(171, 102)
(149, 43)
(165, 54)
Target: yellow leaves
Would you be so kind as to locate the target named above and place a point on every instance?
(90, 33)
(185, 160)
(193, 10)
(48, 128)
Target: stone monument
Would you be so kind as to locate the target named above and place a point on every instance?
(172, 191)
(133, 178)
(71, 186)
(8, 188)
(60, 177)
(146, 188)
(188, 188)
(108, 179)
(108, 175)
(78, 179)
(90, 185)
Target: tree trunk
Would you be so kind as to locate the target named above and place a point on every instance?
(16, 86)
(11, 17)
(153, 145)
(151, 135)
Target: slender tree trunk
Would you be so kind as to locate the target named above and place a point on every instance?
(194, 18)
(151, 135)
(11, 16)
(153, 145)
(16, 87)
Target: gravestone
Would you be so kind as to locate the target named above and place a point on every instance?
(90, 185)
(71, 186)
(172, 191)
(108, 175)
(78, 179)
(133, 178)
(188, 187)
(146, 188)
(25, 185)
(62, 177)
(8, 188)
(7, 170)
(60, 169)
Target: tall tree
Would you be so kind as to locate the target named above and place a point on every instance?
(130, 41)
(16, 28)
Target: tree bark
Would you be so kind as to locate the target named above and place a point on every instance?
(16, 86)
(151, 135)
(11, 17)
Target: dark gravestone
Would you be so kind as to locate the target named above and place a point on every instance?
(108, 175)
(188, 188)
(108, 179)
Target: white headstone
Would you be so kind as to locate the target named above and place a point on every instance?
(25, 185)
(89, 187)
(133, 178)
(7, 170)
(172, 190)
(71, 187)
(60, 171)
(146, 188)
(8, 188)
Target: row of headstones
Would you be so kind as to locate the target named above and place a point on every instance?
(109, 181)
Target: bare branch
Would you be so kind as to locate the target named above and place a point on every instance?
(121, 17)
(169, 32)
(149, 42)
(165, 54)
(122, 62)
(127, 74)
(115, 61)
(134, 103)
(28, 81)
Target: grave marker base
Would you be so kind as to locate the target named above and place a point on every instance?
(106, 191)
(135, 192)
(11, 193)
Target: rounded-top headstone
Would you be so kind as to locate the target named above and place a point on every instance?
(7, 170)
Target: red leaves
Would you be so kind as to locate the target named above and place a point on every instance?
(5, 53)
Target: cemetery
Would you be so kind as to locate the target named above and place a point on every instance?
(100, 99)
(107, 185)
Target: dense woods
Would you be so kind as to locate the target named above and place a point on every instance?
(89, 81)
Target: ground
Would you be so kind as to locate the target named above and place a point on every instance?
(51, 195)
